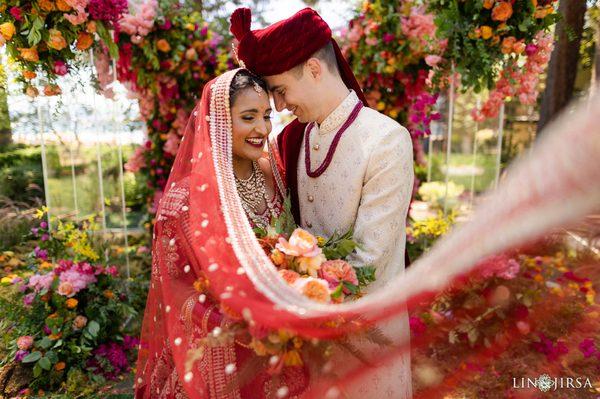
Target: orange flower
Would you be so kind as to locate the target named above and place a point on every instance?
(54, 90)
(163, 45)
(109, 294)
(60, 366)
(71, 303)
(91, 27)
(79, 322)
(502, 11)
(289, 276)
(277, 257)
(29, 54)
(84, 41)
(507, 44)
(7, 30)
(486, 32)
(55, 336)
(2, 7)
(29, 75)
(542, 12)
(201, 284)
(519, 47)
(46, 5)
(488, 4)
(62, 5)
(56, 40)
(191, 54)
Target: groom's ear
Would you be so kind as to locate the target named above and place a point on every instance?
(314, 68)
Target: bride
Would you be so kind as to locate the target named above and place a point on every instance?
(223, 144)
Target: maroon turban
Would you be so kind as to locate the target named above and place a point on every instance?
(286, 44)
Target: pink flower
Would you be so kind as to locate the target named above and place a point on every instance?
(336, 272)
(588, 347)
(72, 281)
(24, 342)
(41, 282)
(553, 351)
(78, 18)
(417, 326)
(500, 266)
(137, 160)
(28, 299)
(301, 243)
(107, 10)
(60, 68)
(16, 13)
(172, 144)
(66, 289)
(432, 60)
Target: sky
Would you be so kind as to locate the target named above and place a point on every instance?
(335, 12)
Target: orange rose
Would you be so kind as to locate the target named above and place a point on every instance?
(109, 294)
(56, 40)
(29, 54)
(277, 257)
(2, 7)
(62, 5)
(507, 44)
(60, 366)
(29, 75)
(486, 32)
(488, 4)
(54, 90)
(71, 303)
(84, 41)
(502, 11)
(91, 27)
(55, 336)
(163, 45)
(289, 276)
(7, 30)
(519, 47)
(46, 5)
(313, 288)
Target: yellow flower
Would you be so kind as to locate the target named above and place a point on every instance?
(190, 27)
(380, 106)
(7, 30)
(292, 358)
(56, 40)
(277, 257)
(486, 32)
(71, 303)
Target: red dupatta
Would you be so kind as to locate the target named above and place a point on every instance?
(205, 251)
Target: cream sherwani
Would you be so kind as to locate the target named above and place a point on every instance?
(366, 187)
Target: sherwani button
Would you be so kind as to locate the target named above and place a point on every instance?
(311, 198)
(316, 147)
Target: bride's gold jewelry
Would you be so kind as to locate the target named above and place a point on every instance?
(252, 192)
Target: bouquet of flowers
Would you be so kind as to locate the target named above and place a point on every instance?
(46, 35)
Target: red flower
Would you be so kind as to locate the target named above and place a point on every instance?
(16, 13)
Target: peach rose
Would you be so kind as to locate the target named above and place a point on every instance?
(65, 288)
(29, 54)
(7, 30)
(432, 60)
(502, 11)
(91, 27)
(84, 41)
(488, 4)
(24, 342)
(163, 45)
(301, 243)
(310, 265)
(79, 322)
(52, 90)
(191, 54)
(56, 40)
(62, 5)
(507, 44)
(313, 288)
(519, 47)
(336, 272)
(289, 276)
(32, 91)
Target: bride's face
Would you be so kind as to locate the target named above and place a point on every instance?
(251, 120)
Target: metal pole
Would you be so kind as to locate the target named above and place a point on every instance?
(474, 159)
(98, 157)
(121, 180)
(449, 137)
(44, 162)
(499, 144)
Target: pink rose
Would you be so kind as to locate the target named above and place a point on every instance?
(336, 272)
(24, 342)
(289, 276)
(60, 68)
(301, 243)
(66, 289)
(432, 60)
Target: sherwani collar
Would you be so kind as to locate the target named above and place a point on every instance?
(339, 115)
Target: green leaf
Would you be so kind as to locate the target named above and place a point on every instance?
(44, 343)
(93, 328)
(45, 363)
(32, 357)
(37, 370)
(58, 343)
(365, 274)
(52, 356)
(105, 36)
(351, 287)
(338, 291)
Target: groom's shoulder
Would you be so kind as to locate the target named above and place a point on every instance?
(379, 124)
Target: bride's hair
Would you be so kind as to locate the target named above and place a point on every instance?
(244, 80)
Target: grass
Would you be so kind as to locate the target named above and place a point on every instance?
(485, 162)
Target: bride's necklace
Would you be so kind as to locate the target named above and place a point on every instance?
(253, 191)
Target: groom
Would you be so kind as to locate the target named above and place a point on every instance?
(347, 165)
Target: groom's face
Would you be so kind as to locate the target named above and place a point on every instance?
(295, 92)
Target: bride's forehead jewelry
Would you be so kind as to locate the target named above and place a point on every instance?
(258, 89)
(235, 55)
